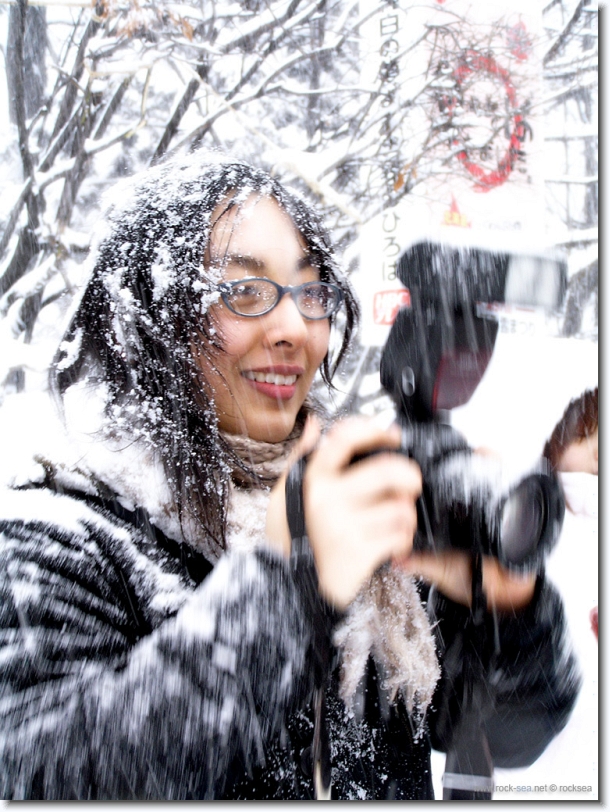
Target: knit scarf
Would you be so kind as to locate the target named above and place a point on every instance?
(386, 619)
(263, 463)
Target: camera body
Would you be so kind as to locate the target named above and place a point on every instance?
(435, 356)
(467, 503)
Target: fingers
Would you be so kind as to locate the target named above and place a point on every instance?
(451, 573)
(351, 437)
(362, 514)
(385, 475)
(393, 526)
(506, 590)
(307, 441)
(372, 478)
(350, 546)
(358, 515)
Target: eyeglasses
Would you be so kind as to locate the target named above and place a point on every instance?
(255, 297)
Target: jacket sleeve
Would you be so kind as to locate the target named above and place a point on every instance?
(100, 700)
(530, 683)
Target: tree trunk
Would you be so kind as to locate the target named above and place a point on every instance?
(34, 78)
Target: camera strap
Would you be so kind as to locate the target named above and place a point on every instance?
(304, 571)
(478, 596)
(469, 765)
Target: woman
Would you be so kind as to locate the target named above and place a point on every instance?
(573, 444)
(157, 641)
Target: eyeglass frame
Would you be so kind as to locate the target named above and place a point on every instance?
(224, 288)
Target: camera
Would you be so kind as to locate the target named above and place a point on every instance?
(436, 354)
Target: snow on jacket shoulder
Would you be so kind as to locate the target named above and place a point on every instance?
(108, 642)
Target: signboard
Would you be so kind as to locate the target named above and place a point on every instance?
(458, 137)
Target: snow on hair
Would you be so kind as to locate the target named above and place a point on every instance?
(145, 308)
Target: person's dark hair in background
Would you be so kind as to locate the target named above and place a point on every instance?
(573, 443)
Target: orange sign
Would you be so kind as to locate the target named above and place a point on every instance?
(387, 303)
(454, 217)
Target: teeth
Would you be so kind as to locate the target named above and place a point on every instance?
(270, 377)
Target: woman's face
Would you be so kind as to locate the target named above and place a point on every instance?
(265, 369)
(581, 455)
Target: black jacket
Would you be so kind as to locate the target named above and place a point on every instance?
(132, 670)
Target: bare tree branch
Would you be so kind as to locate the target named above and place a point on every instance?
(14, 218)
(179, 111)
(111, 108)
(69, 98)
(564, 35)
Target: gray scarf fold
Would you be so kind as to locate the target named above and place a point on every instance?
(264, 463)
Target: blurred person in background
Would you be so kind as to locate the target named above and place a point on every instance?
(572, 451)
(573, 444)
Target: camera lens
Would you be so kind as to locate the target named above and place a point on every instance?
(522, 522)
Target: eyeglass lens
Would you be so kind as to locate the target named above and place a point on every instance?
(254, 297)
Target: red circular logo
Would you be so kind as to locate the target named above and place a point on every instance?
(474, 62)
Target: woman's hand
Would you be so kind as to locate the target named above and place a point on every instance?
(451, 573)
(358, 516)
(362, 515)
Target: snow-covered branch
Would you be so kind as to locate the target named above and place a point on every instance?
(565, 33)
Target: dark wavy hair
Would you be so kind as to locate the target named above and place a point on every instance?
(579, 420)
(145, 309)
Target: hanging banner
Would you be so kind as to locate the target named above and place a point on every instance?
(455, 148)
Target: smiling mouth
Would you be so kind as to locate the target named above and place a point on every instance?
(270, 377)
